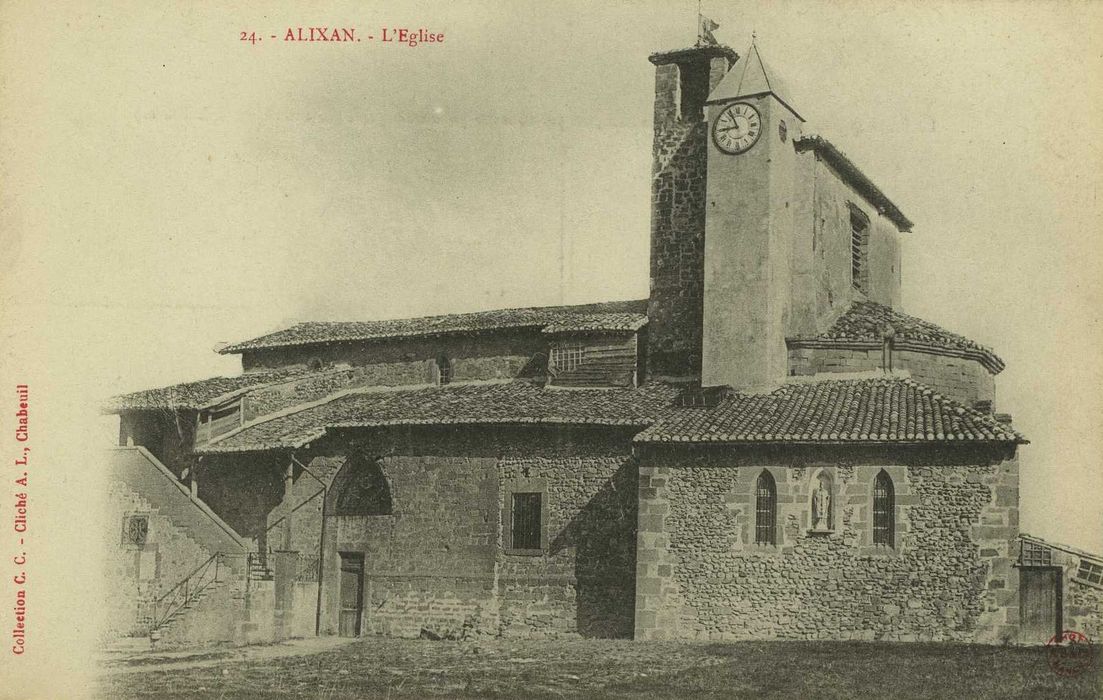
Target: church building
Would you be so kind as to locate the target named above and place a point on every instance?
(766, 447)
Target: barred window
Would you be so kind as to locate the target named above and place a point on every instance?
(1034, 554)
(1090, 572)
(859, 250)
(136, 530)
(444, 370)
(765, 509)
(525, 530)
(565, 357)
(884, 525)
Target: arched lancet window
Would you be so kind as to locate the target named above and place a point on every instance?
(765, 519)
(444, 370)
(362, 489)
(884, 511)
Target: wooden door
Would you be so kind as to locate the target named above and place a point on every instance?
(1040, 604)
(352, 594)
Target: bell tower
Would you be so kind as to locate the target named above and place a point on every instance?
(683, 81)
(748, 227)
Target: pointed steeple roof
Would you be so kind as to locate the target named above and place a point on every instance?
(750, 76)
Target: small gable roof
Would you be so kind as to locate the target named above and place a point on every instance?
(866, 323)
(616, 315)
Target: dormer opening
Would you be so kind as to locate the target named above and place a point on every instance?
(565, 356)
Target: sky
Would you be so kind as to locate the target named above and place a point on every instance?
(168, 187)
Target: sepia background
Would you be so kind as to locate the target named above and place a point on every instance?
(166, 187)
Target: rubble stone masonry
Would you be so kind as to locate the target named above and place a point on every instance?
(701, 576)
(439, 561)
(678, 178)
(961, 379)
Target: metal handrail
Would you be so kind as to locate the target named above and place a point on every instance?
(183, 581)
(189, 588)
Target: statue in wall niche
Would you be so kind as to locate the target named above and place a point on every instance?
(821, 505)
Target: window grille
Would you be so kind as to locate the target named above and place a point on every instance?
(765, 510)
(136, 530)
(566, 357)
(859, 250)
(884, 525)
(526, 521)
(1034, 554)
(1090, 572)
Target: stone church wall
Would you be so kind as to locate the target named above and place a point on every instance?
(584, 583)
(678, 175)
(1084, 609)
(958, 378)
(701, 576)
(437, 562)
(821, 260)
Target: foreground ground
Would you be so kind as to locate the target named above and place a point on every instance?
(382, 668)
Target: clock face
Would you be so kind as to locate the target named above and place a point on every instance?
(737, 128)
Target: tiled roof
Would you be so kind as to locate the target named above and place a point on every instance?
(865, 322)
(315, 332)
(855, 177)
(750, 76)
(597, 322)
(489, 403)
(193, 395)
(855, 410)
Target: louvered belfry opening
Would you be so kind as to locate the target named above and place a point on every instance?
(765, 509)
(526, 521)
(884, 527)
(859, 244)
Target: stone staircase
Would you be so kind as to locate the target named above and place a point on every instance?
(232, 561)
(147, 476)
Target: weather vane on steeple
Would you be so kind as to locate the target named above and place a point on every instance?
(705, 27)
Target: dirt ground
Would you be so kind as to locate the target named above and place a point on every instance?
(384, 668)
